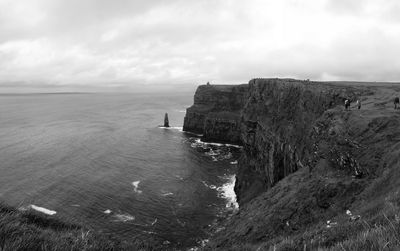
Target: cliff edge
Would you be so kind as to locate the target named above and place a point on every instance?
(313, 175)
(215, 112)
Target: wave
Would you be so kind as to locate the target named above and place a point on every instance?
(236, 146)
(195, 134)
(154, 222)
(43, 210)
(147, 225)
(213, 153)
(216, 151)
(209, 186)
(199, 141)
(124, 217)
(179, 128)
(167, 194)
(108, 211)
(227, 191)
(136, 187)
(149, 232)
(234, 162)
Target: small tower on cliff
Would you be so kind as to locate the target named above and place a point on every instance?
(166, 122)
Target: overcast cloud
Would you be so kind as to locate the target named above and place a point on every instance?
(131, 44)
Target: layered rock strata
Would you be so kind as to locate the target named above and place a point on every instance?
(278, 122)
(274, 120)
(216, 112)
(306, 161)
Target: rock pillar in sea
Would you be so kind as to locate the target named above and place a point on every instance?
(166, 122)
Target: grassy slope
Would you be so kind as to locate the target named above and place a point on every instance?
(376, 232)
(28, 230)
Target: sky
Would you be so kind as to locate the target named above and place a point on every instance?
(132, 45)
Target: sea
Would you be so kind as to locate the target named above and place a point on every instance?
(102, 160)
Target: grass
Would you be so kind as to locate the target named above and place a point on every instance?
(29, 230)
(378, 231)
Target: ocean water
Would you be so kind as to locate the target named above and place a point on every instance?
(101, 160)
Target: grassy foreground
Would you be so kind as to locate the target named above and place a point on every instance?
(29, 230)
(379, 230)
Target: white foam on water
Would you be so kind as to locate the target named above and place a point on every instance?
(236, 146)
(124, 217)
(179, 128)
(209, 186)
(198, 142)
(227, 192)
(108, 211)
(136, 187)
(234, 162)
(167, 194)
(212, 143)
(195, 134)
(212, 152)
(43, 210)
(147, 225)
(228, 156)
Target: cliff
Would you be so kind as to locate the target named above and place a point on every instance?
(306, 160)
(216, 112)
(278, 122)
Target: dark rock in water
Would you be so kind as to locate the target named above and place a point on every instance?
(166, 122)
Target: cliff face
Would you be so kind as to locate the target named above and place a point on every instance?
(277, 125)
(216, 112)
(272, 118)
(306, 161)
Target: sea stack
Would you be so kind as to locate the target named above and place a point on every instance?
(166, 122)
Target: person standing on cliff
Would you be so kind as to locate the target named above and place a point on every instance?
(346, 104)
(358, 104)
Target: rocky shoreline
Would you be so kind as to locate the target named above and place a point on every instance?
(305, 160)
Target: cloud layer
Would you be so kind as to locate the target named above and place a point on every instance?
(127, 44)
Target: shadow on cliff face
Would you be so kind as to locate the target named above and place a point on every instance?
(302, 172)
(280, 130)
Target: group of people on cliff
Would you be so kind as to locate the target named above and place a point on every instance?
(347, 103)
